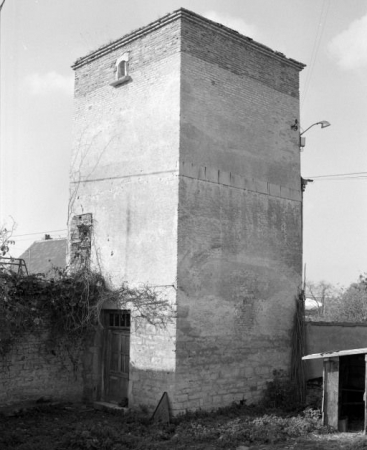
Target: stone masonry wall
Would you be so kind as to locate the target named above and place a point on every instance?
(153, 366)
(125, 173)
(32, 370)
(239, 226)
(238, 277)
(192, 174)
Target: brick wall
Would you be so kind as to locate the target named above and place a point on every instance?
(227, 49)
(33, 370)
(236, 122)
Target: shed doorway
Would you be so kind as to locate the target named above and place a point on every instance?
(116, 356)
(351, 391)
(344, 405)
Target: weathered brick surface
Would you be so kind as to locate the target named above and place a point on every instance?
(192, 173)
(239, 55)
(238, 124)
(31, 371)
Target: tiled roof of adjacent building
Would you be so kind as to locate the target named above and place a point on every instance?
(43, 255)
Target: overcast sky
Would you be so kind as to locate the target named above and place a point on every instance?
(40, 39)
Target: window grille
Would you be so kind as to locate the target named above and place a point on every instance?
(120, 319)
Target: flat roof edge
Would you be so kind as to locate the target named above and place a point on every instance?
(175, 15)
(334, 353)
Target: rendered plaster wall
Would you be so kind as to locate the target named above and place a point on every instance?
(239, 226)
(125, 173)
(191, 170)
(32, 371)
(330, 336)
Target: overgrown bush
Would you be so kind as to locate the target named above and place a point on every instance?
(251, 426)
(65, 305)
(68, 306)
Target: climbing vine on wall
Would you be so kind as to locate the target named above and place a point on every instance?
(68, 306)
(298, 347)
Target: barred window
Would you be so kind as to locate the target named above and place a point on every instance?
(119, 319)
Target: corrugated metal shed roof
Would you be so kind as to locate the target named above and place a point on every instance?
(42, 256)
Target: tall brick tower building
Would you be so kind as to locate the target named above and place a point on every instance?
(185, 158)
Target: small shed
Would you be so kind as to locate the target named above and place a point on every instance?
(344, 388)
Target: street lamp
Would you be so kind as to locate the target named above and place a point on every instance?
(323, 123)
(302, 140)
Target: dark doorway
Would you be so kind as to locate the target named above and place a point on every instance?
(117, 356)
(351, 391)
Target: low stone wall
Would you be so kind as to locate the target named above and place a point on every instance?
(33, 370)
(328, 336)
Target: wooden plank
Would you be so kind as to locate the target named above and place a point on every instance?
(330, 410)
(333, 353)
(162, 413)
(108, 363)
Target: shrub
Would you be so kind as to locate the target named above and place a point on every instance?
(282, 393)
(69, 306)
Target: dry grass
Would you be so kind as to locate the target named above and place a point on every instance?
(66, 426)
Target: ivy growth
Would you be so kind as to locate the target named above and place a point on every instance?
(68, 306)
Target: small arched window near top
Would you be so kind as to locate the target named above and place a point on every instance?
(122, 70)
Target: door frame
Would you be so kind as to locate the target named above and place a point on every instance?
(107, 328)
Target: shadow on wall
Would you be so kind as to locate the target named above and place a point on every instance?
(148, 386)
(33, 369)
(102, 382)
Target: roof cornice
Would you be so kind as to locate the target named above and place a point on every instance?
(193, 17)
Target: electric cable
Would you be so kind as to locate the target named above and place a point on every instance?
(339, 176)
(39, 232)
(316, 46)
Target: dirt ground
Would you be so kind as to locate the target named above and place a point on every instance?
(74, 426)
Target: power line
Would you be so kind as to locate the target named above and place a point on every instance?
(52, 238)
(357, 176)
(342, 179)
(349, 175)
(39, 232)
(320, 31)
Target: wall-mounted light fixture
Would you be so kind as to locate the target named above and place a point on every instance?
(302, 140)
(295, 125)
(323, 123)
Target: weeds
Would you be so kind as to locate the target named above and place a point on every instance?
(63, 427)
(281, 393)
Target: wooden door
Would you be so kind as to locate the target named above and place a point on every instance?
(117, 357)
